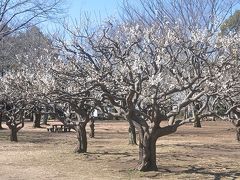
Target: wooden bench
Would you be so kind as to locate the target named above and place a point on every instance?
(50, 129)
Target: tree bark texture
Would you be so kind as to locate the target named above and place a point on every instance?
(31, 117)
(36, 120)
(132, 135)
(147, 148)
(45, 115)
(238, 133)
(1, 119)
(13, 135)
(45, 119)
(147, 153)
(82, 138)
(92, 130)
(237, 125)
(197, 122)
(147, 143)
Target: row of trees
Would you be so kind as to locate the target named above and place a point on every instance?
(150, 67)
(20, 38)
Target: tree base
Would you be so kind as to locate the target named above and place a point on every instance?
(79, 151)
(37, 126)
(197, 125)
(147, 167)
(13, 138)
(238, 134)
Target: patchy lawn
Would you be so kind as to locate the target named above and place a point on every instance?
(210, 152)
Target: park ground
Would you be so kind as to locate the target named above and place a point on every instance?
(210, 152)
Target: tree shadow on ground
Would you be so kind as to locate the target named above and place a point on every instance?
(203, 171)
(110, 153)
(106, 135)
(35, 137)
(217, 175)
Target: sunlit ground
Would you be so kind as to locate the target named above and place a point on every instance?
(210, 152)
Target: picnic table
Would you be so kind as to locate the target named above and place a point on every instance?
(58, 128)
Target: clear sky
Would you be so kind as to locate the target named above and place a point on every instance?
(95, 8)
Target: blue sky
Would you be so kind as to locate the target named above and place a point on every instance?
(95, 8)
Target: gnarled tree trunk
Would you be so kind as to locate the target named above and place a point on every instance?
(31, 116)
(13, 135)
(36, 120)
(82, 138)
(238, 133)
(147, 153)
(237, 125)
(132, 135)
(92, 130)
(147, 144)
(197, 122)
(45, 116)
(45, 119)
(14, 128)
(15, 123)
(1, 119)
(147, 148)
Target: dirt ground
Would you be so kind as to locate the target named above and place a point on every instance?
(210, 152)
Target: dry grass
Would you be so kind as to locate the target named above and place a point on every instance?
(210, 152)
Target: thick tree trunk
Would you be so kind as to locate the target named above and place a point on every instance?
(238, 133)
(147, 146)
(45, 119)
(82, 139)
(36, 120)
(132, 135)
(197, 122)
(13, 135)
(92, 130)
(147, 154)
(147, 149)
(31, 117)
(45, 116)
(1, 116)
